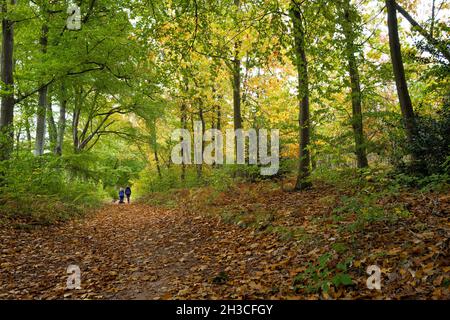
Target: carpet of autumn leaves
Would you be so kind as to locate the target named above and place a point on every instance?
(249, 242)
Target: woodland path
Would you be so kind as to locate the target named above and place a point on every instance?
(141, 252)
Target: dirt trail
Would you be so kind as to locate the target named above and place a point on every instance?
(143, 252)
(140, 252)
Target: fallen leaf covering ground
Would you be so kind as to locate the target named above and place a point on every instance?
(248, 243)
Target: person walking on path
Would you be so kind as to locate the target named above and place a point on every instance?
(121, 195)
(128, 194)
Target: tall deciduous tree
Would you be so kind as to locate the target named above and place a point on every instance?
(7, 78)
(399, 71)
(43, 100)
(352, 64)
(236, 70)
(303, 96)
(52, 128)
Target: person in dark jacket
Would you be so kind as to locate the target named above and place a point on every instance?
(121, 195)
(128, 194)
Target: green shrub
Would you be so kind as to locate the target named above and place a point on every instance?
(431, 145)
(42, 190)
(321, 275)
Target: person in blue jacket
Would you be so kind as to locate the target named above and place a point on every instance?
(121, 195)
(128, 194)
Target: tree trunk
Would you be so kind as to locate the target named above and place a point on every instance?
(52, 129)
(18, 134)
(219, 118)
(61, 121)
(357, 120)
(155, 148)
(237, 94)
(202, 120)
(399, 72)
(433, 18)
(237, 83)
(303, 91)
(28, 131)
(184, 126)
(7, 78)
(42, 106)
(40, 123)
(76, 119)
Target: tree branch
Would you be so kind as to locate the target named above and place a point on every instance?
(416, 26)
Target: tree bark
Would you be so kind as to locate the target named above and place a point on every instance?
(52, 129)
(433, 17)
(357, 119)
(18, 134)
(219, 118)
(40, 123)
(184, 126)
(28, 131)
(155, 148)
(76, 119)
(399, 72)
(7, 78)
(237, 116)
(42, 105)
(202, 120)
(303, 181)
(61, 121)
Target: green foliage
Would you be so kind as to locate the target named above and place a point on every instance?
(431, 144)
(51, 188)
(434, 182)
(369, 208)
(41, 190)
(325, 272)
(219, 177)
(252, 173)
(129, 93)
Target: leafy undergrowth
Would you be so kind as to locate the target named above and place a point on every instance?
(37, 191)
(27, 212)
(253, 241)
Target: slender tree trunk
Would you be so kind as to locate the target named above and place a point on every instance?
(40, 123)
(18, 134)
(155, 148)
(217, 125)
(433, 18)
(216, 117)
(61, 121)
(357, 120)
(158, 165)
(42, 106)
(184, 126)
(303, 181)
(237, 116)
(7, 78)
(52, 129)
(202, 120)
(399, 72)
(219, 118)
(28, 131)
(75, 122)
(76, 119)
